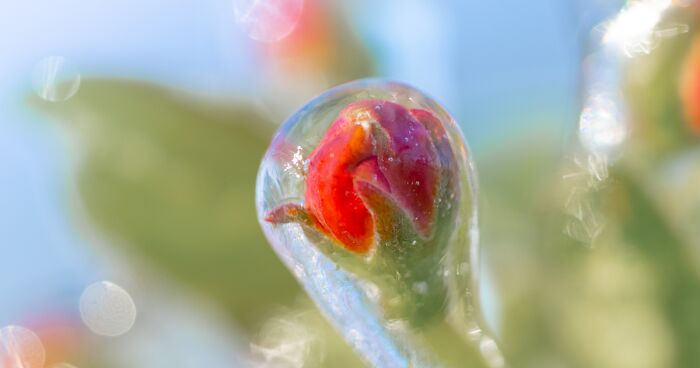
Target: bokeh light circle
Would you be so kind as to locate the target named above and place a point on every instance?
(267, 20)
(55, 79)
(20, 348)
(107, 309)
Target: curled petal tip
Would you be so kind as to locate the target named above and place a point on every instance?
(287, 213)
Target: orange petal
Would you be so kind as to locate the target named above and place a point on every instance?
(690, 87)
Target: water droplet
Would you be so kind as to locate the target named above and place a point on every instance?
(107, 309)
(55, 79)
(318, 239)
(20, 348)
(267, 20)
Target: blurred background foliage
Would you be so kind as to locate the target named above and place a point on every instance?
(578, 271)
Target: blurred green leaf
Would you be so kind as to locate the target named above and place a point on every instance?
(173, 179)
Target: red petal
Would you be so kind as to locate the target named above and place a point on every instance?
(409, 163)
(330, 194)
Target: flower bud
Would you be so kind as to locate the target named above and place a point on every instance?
(375, 176)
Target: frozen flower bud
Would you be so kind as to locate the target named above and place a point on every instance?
(382, 188)
(378, 165)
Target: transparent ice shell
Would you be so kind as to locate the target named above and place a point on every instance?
(379, 298)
